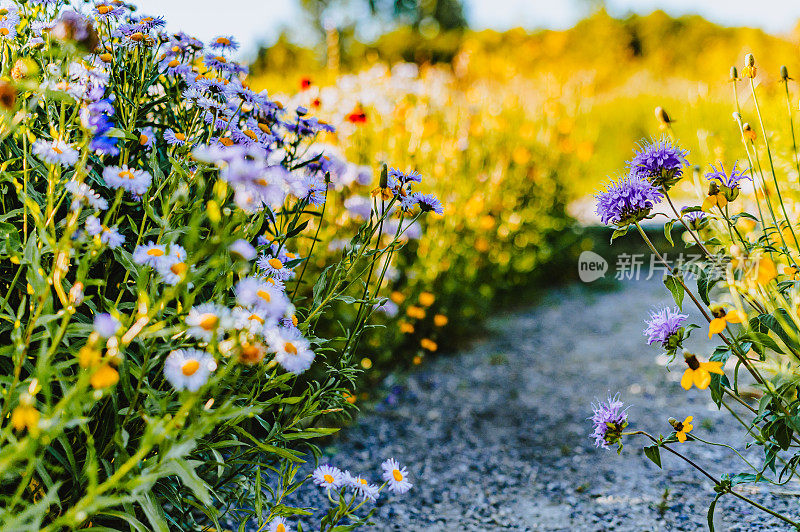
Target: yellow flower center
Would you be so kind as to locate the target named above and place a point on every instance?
(364, 482)
(104, 9)
(290, 348)
(173, 63)
(137, 37)
(126, 174)
(275, 263)
(328, 479)
(263, 294)
(280, 528)
(143, 139)
(398, 476)
(208, 321)
(155, 252)
(57, 150)
(180, 136)
(250, 133)
(225, 141)
(257, 318)
(223, 40)
(179, 268)
(190, 367)
(221, 59)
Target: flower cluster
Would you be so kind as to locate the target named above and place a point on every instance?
(627, 201)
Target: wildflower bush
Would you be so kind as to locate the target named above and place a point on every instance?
(745, 225)
(504, 228)
(158, 319)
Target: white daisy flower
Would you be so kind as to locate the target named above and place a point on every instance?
(361, 486)
(251, 320)
(172, 269)
(134, 181)
(83, 193)
(56, 152)
(328, 477)
(188, 369)
(264, 296)
(278, 525)
(206, 319)
(149, 254)
(395, 476)
(292, 351)
(273, 267)
(242, 249)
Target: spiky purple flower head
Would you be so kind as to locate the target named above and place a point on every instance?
(731, 180)
(663, 325)
(660, 162)
(609, 420)
(626, 201)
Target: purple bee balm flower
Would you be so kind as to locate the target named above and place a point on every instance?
(660, 162)
(731, 180)
(626, 201)
(609, 421)
(664, 325)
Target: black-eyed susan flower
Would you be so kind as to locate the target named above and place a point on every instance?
(188, 369)
(682, 428)
(722, 318)
(396, 477)
(698, 372)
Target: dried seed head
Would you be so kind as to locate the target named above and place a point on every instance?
(8, 95)
(734, 74)
(749, 60)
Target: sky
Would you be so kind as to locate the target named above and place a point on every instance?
(257, 21)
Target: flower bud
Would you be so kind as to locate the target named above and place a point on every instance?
(785, 73)
(662, 116)
(749, 60)
(76, 294)
(749, 70)
(72, 27)
(749, 132)
(734, 74)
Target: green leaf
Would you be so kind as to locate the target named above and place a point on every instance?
(654, 454)
(674, 285)
(618, 233)
(668, 231)
(10, 244)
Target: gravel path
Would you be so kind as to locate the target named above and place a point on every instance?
(496, 437)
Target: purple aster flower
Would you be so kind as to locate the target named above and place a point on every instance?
(112, 237)
(225, 42)
(173, 138)
(609, 421)
(243, 249)
(428, 202)
(626, 201)
(694, 219)
(659, 162)
(663, 326)
(731, 180)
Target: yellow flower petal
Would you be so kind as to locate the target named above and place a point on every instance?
(681, 437)
(686, 380)
(712, 367)
(687, 427)
(701, 378)
(687, 421)
(716, 326)
(709, 202)
(735, 316)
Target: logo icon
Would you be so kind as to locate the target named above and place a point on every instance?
(591, 266)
